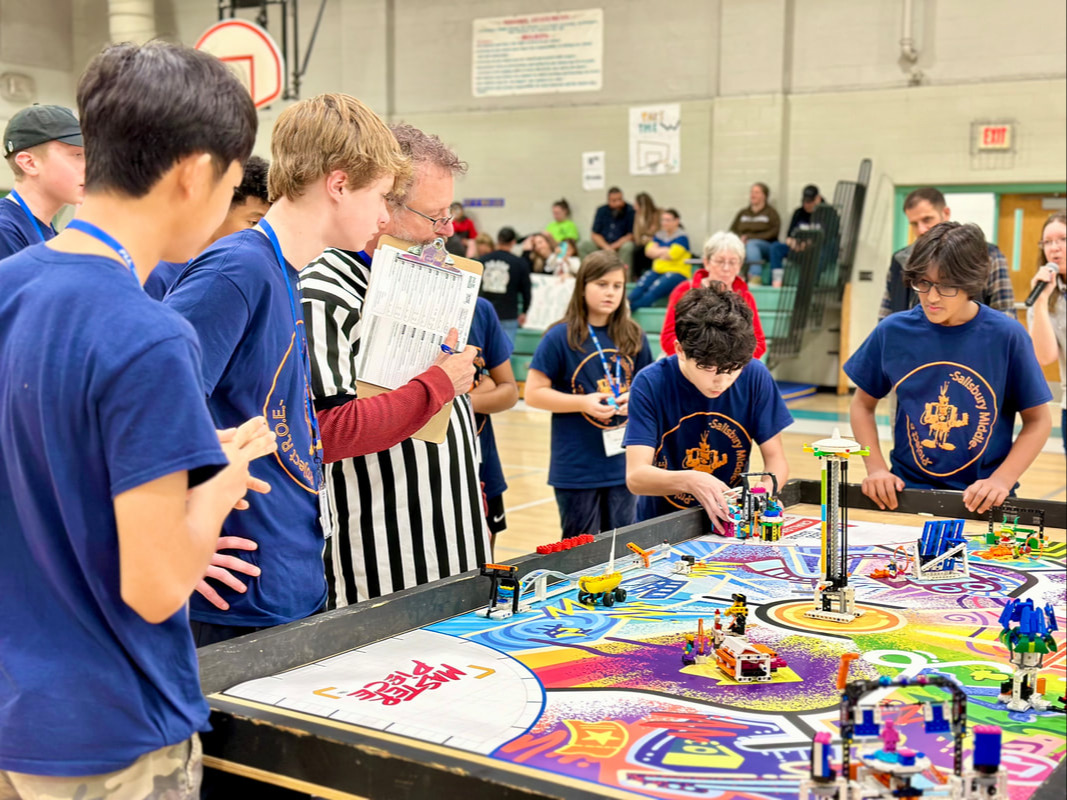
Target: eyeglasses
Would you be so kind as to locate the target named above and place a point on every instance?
(441, 222)
(922, 287)
(1061, 241)
(723, 262)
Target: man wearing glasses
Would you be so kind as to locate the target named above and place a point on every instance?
(409, 512)
(960, 372)
(924, 209)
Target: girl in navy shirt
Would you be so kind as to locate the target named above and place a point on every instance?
(581, 372)
(960, 372)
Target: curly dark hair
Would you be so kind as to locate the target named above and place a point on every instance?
(714, 328)
(254, 181)
(958, 251)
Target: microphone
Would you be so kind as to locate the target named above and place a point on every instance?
(1039, 287)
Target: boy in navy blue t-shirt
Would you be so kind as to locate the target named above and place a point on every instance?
(333, 163)
(113, 484)
(495, 390)
(249, 204)
(960, 371)
(43, 147)
(695, 415)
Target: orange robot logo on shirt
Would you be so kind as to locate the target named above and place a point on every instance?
(702, 458)
(941, 418)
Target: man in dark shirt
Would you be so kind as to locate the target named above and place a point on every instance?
(805, 219)
(613, 225)
(505, 279)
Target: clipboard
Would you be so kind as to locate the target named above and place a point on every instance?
(436, 430)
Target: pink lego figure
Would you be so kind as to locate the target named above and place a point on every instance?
(890, 736)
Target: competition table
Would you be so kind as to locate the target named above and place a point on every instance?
(608, 709)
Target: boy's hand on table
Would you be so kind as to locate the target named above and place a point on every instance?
(982, 495)
(882, 487)
(711, 493)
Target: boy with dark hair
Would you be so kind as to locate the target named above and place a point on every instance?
(249, 204)
(960, 372)
(695, 415)
(506, 280)
(333, 161)
(926, 207)
(113, 484)
(43, 147)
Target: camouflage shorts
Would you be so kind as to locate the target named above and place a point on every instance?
(170, 773)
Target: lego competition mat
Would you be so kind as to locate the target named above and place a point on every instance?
(601, 694)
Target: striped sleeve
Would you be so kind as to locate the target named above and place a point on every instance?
(332, 290)
(999, 291)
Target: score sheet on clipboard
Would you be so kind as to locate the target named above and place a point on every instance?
(410, 306)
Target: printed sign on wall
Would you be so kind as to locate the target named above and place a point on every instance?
(560, 51)
(593, 170)
(655, 139)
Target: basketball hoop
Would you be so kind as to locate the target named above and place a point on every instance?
(252, 55)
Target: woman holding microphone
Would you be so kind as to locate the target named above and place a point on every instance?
(1046, 316)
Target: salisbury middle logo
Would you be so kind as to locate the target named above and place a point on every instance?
(948, 434)
(702, 458)
(707, 442)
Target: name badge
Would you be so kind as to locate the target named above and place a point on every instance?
(613, 441)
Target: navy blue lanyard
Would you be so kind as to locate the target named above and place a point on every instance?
(298, 330)
(104, 237)
(616, 384)
(33, 218)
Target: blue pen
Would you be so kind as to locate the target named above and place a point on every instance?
(446, 349)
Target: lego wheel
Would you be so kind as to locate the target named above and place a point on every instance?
(620, 595)
(608, 599)
(585, 598)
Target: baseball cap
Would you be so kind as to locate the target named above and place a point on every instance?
(811, 191)
(39, 124)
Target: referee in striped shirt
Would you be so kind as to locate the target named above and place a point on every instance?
(413, 512)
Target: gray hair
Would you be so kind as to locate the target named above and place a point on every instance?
(423, 148)
(724, 240)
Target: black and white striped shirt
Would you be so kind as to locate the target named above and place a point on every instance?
(407, 515)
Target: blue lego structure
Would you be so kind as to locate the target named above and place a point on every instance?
(941, 552)
(1026, 631)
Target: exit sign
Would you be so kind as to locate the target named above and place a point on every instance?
(996, 136)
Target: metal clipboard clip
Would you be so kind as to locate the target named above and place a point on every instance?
(433, 253)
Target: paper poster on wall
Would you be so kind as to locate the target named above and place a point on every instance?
(560, 51)
(655, 139)
(593, 170)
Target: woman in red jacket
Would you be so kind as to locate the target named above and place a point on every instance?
(724, 254)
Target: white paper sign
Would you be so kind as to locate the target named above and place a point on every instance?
(560, 51)
(409, 308)
(655, 139)
(593, 170)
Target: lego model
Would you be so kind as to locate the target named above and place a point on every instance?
(504, 589)
(771, 521)
(752, 505)
(1028, 640)
(735, 656)
(941, 552)
(602, 588)
(898, 567)
(885, 770)
(1011, 541)
(834, 599)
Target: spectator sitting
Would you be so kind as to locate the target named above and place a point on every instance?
(723, 256)
(810, 198)
(461, 242)
(613, 226)
(646, 223)
(483, 245)
(505, 280)
(562, 226)
(565, 260)
(758, 227)
(924, 209)
(668, 250)
(538, 249)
